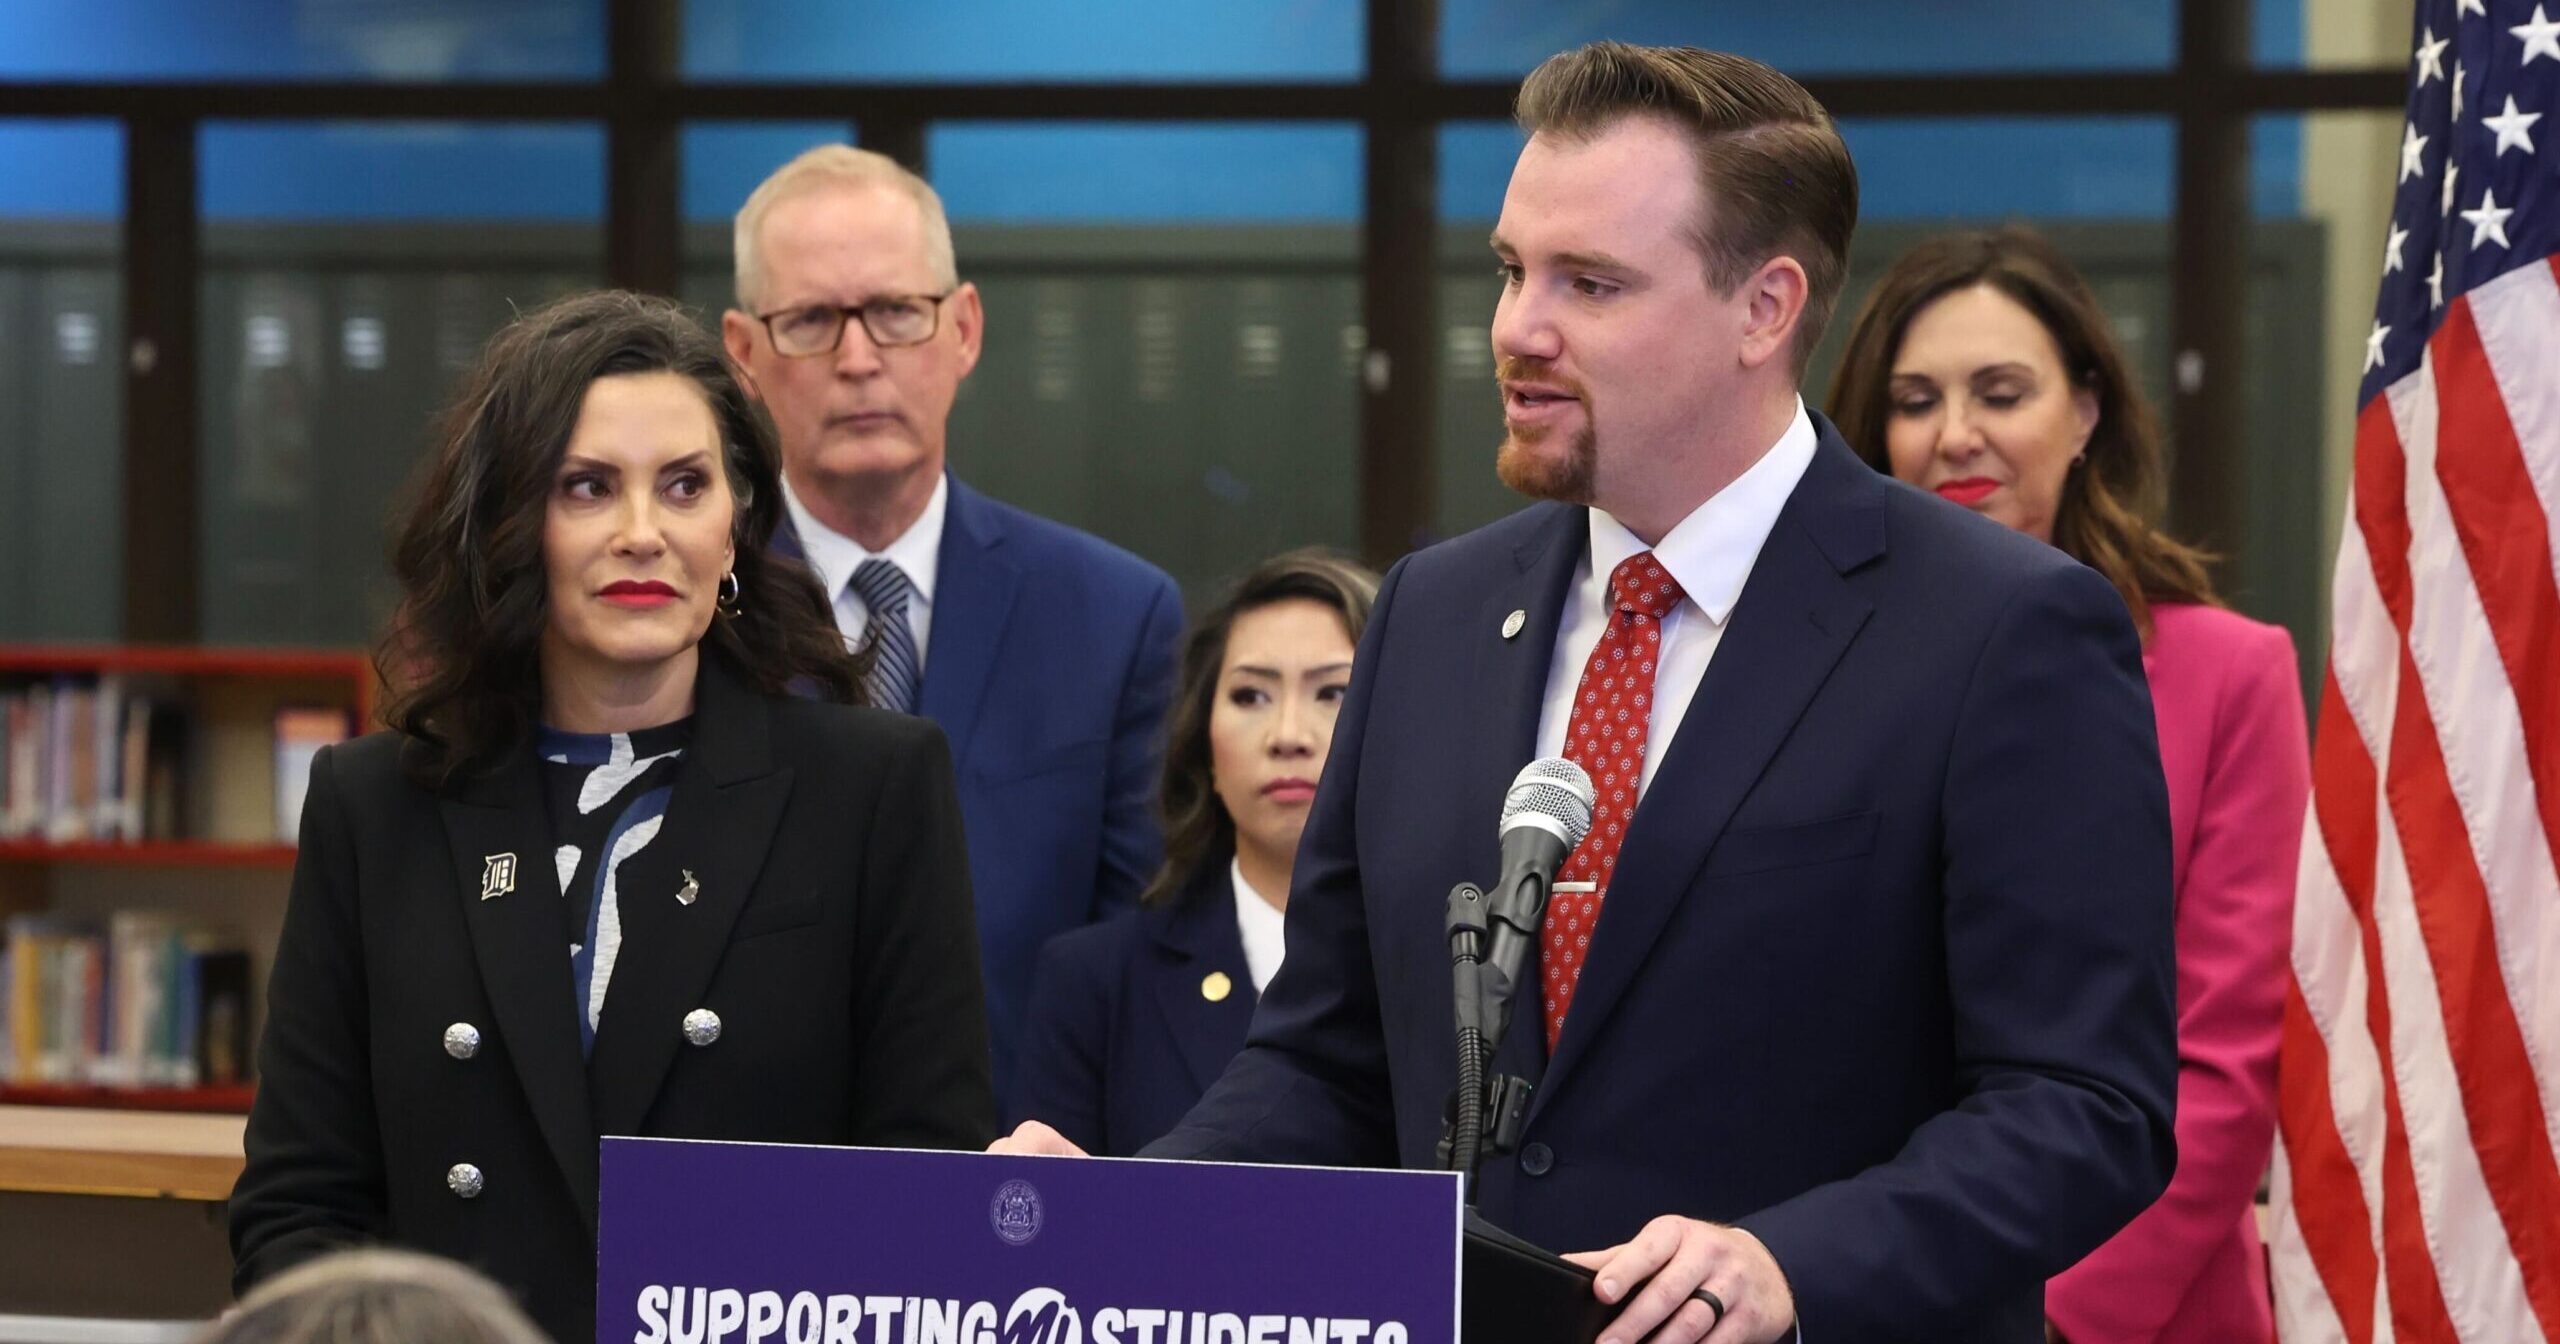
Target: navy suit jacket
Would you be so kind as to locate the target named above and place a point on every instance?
(1122, 1038)
(1884, 972)
(1049, 669)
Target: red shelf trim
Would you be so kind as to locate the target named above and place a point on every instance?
(184, 659)
(232, 1100)
(152, 854)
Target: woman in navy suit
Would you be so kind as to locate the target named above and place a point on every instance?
(1132, 1018)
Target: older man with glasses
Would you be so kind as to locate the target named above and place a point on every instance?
(1045, 654)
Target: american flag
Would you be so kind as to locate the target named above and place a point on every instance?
(2417, 1191)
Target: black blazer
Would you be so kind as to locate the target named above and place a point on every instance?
(1122, 1036)
(832, 935)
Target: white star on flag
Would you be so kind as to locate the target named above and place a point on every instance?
(2462, 7)
(2430, 56)
(2435, 282)
(2541, 37)
(2373, 347)
(2413, 147)
(2514, 128)
(2457, 89)
(2391, 250)
(2488, 221)
(2451, 171)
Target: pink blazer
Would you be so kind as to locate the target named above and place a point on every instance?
(2228, 700)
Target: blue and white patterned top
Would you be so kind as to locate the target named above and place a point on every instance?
(608, 798)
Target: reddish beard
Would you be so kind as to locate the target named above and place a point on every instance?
(1530, 461)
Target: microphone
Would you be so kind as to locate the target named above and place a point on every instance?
(1544, 816)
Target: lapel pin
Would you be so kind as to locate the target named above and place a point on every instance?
(686, 894)
(1215, 987)
(497, 875)
(1511, 624)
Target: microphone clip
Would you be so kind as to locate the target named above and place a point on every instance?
(1485, 1114)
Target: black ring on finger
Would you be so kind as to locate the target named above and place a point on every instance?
(1714, 1304)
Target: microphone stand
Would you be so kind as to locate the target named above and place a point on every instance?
(1489, 938)
(1516, 1290)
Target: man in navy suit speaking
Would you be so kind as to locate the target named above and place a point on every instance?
(1864, 1024)
(1045, 655)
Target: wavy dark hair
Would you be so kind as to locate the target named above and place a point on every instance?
(2110, 501)
(1196, 825)
(462, 655)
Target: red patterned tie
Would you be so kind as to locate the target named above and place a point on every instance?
(1606, 736)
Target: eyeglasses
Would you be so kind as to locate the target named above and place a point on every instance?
(891, 320)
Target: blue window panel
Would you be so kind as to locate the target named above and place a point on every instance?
(1992, 168)
(961, 40)
(1495, 38)
(2275, 166)
(724, 163)
(2276, 35)
(401, 171)
(1954, 168)
(1025, 173)
(109, 40)
(62, 170)
(1475, 167)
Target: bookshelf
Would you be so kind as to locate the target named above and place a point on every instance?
(173, 817)
(221, 707)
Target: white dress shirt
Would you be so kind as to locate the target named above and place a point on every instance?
(917, 553)
(1710, 552)
(1263, 927)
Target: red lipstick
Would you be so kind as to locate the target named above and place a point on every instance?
(638, 593)
(1968, 491)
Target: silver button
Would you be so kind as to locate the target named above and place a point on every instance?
(465, 1180)
(702, 1026)
(462, 1040)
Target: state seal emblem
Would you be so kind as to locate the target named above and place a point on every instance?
(1015, 1212)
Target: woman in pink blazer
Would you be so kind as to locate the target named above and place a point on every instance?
(1981, 369)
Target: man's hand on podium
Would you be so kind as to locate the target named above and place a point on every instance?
(1673, 1256)
(1033, 1139)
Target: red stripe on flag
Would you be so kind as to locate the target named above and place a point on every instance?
(2501, 1106)
(2506, 542)
(2499, 1101)
(2343, 776)
(2328, 1198)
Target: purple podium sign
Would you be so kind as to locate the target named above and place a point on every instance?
(748, 1243)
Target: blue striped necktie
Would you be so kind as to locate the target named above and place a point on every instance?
(884, 591)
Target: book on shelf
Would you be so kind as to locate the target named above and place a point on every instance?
(92, 759)
(301, 731)
(143, 1000)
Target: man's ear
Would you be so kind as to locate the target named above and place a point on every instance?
(969, 316)
(738, 337)
(1776, 294)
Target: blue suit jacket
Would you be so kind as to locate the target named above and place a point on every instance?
(1884, 973)
(1122, 1039)
(1049, 669)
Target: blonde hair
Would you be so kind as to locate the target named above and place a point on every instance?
(376, 1296)
(836, 166)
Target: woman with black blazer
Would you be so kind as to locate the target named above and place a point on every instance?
(1132, 1019)
(605, 874)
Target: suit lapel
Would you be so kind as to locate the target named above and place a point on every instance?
(728, 799)
(521, 940)
(1192, 938)
(1796, 616)
(1512, 669)
(973, 594)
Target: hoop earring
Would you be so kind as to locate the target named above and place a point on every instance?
(730, 591)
